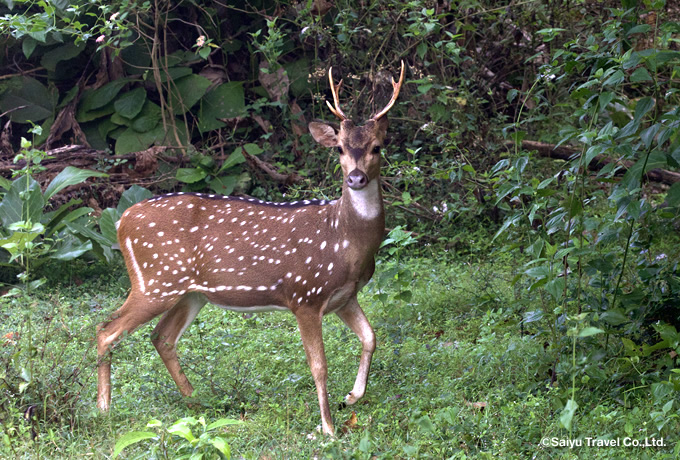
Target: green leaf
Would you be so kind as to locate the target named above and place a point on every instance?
(62, 53)
(220, 444)
(69, 176)
(588, 331)
(131, 196)
(225, 101)
(640, 74)
(532, 316)
(5, 183)
(182, 429)
(28, 45)
(673, 195)
(54, 220)
(130, 104)
(36, 101)
(186, 92)
(568, 414)
(643, 106)
(222, 422)
(252, 149)
(614, 317)
(298, 73)
(426, 424)
(190, 175)
(148, 118)
(98, 98)
(78, 228)
(234, 159)
(131, 140)
(421, 49)
(616, 78)
(604, 99)
(107, 225)
(224, 185)
(555, 288)
(130, 438)
(71, 249)
(14, 208)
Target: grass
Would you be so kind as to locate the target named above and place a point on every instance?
(455, 375)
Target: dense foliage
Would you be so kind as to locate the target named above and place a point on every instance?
(574, 291)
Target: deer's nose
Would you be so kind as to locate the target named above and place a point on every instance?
(357, 180)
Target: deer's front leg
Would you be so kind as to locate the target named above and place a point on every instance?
(309, 323)
(353, 316)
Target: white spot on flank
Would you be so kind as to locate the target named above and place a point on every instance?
(193, 229)
(161, 233)
(330, 266)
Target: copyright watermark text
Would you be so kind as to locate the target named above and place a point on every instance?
(598, 442)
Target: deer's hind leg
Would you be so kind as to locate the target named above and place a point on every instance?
(168, 332)
(137, 310)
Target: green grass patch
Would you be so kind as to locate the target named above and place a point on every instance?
(455, 375)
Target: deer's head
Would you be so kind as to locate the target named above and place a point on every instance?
(359, 146)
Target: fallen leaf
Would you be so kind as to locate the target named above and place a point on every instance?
(480, 405)
(351, 424)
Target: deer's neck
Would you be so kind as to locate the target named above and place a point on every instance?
(359, 214)
(366, 204)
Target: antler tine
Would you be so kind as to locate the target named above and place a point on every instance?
(396, 87)
(335, 90)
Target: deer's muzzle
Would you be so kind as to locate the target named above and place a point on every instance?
(357, 180)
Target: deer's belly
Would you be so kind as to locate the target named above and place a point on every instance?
(253, 309)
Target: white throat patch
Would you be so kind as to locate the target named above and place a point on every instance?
(367, 202)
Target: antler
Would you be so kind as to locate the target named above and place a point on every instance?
(335, 90)
(395, 92)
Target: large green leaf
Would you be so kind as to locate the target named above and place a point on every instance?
(224, 185)
(14, 209)
(71, 249)
(190, 175)
(187, 91)
(62, 53)
(133, 195)
(130, 104)
(35, 100)
(222, 422)
(52, 218)
(134, 141)
(69, 176)
(298, 73)
(98, 98)
(148, 118)
(107, 224)
(130, 438)
(673, 195)
(225, 101)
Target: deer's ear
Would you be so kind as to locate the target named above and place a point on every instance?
(324, 134)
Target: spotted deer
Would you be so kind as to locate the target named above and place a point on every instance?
(183, 250)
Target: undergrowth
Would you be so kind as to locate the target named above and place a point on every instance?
(456, 374)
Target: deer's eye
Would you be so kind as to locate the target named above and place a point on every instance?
(376, 150)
